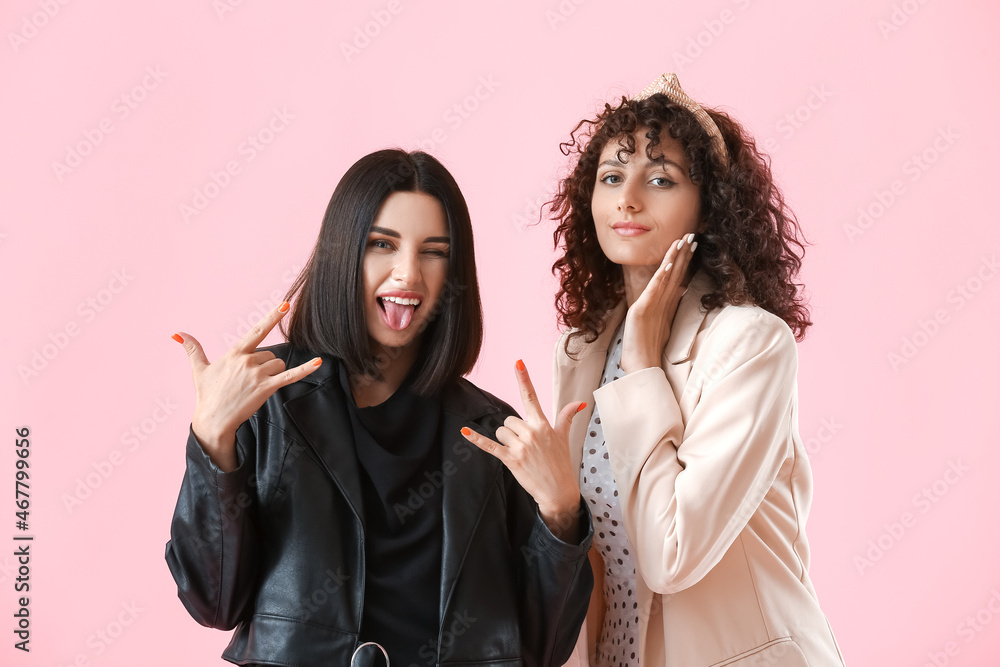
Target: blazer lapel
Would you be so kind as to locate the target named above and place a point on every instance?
(579, 378)
(321, 417)
(687, 321)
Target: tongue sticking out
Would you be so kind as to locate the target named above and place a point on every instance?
(397, 316)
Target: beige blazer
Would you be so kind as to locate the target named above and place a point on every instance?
(715, 489)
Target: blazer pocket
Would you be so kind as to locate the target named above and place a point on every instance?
(781, 652)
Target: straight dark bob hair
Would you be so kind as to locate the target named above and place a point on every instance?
(328, 309)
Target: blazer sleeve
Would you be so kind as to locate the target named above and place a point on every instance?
(212, 552)
(688, 490)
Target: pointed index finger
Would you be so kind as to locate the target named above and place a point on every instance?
(259, 332)
(532, 409)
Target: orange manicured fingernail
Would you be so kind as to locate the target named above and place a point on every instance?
(179, 338)
(466, 430)
(317, 361)
(283, 308)
(582, 406)
(520, 365)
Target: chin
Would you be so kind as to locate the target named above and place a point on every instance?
(396, 340)
(633, 255)
(391, 338)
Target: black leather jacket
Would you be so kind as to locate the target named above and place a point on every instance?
(276, 550)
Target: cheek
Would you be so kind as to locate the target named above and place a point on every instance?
(599, 203)
(604, 237)
(435, 277)
(372, 276)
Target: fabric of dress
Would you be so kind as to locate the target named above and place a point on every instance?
(616, 645)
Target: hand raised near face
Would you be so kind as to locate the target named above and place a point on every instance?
(648, 321)
(233, 387)
(538, 456)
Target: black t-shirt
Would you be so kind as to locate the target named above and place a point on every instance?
(399, 445)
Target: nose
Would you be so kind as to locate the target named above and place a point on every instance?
(628, 196)
(406, 270)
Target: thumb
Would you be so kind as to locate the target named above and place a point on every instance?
(565, 417)
(193, 348)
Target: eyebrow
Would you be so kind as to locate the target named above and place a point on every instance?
(615, 162)
(394, 234)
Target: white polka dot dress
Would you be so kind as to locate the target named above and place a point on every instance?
(618, 644)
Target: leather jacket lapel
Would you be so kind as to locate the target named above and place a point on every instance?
(321, 417)
(462, 503)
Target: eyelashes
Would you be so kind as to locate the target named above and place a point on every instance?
(385, 244)
(615, 179)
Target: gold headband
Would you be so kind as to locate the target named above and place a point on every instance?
(668, 85)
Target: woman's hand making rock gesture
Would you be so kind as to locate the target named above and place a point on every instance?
(231, 389)
(538, 456)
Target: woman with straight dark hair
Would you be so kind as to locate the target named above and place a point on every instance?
(331, 508)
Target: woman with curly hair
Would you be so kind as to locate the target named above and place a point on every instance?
(677, 274)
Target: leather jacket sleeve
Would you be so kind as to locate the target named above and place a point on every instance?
(212, 552)
(555, 580)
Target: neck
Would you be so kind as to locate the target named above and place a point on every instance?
(394, 363)
(638, 277)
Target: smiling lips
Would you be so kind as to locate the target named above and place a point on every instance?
(627, 228)
(398, 308)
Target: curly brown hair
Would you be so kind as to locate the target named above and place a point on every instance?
(749, 243)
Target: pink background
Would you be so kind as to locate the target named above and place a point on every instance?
(848, 93)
